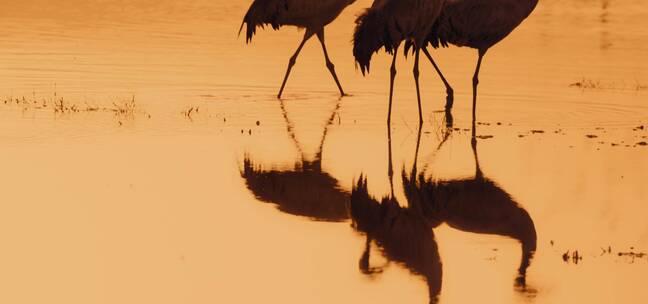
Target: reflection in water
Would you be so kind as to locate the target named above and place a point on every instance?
(404, 235)
(606, 41)
(475, 205)
(305, 190)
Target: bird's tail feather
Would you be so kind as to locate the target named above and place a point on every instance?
(241, 28)
(371, 34)
(262, 13)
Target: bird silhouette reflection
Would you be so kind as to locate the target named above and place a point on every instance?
(305, 190)
(402, 234)
(476, 204)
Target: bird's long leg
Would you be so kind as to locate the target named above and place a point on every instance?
(418, 90)
(329, 64)
(293, 59)
(391, 84)
(390, 167)
(449, 90)
(482, 52)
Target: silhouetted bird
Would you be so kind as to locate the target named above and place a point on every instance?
(387, 23)
(306, 190)
(404, 235)
(311, 15)
(475, 205)
(477, 24)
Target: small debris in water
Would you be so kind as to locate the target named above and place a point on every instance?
(537, 131)
(591, 136)
(551, 242)
(499, 123)
(633, 255)
(258, 123)
(521, 135)
(576, 257)
(485, 136)
(250, 131)
(642, 143)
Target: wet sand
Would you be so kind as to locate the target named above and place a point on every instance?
(156, 204)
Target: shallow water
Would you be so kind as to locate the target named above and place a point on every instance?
(157, 206)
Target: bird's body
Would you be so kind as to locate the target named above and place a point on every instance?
(312, 15)
(387, 24)
(299, 13)
(477, 24)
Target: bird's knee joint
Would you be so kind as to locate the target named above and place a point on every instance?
(292, 60)
(330, 65)
(393, 71)
(475, 81)
(416, 73)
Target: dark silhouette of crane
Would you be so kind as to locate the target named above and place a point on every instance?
(475, 204)
(402, 234)
(387, 23)
(305, 190)
(476, 24)
(310, 15)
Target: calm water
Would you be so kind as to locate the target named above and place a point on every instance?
(250, 199)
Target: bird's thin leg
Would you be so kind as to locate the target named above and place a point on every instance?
(293, 59)
(390, 167)
(449, 90)
(391, 84)
(482, 52)
(418, 90)
(329, 64)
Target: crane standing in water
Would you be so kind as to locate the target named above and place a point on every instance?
(386, 24)
(476, 24)
(311, 15)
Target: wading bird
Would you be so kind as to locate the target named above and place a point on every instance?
(387, 23)
(476, 24)
(310, 15)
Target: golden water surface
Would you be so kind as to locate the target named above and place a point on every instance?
(210, 190)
